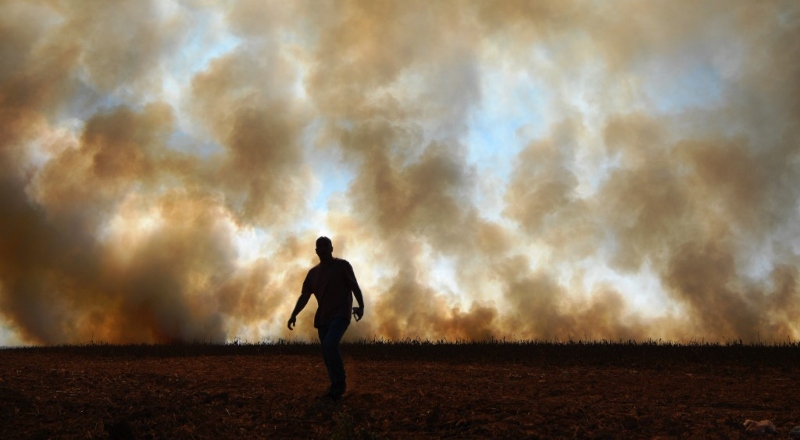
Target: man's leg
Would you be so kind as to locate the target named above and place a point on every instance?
(323, 332)
(330, 339)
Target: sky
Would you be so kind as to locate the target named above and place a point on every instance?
(546, 170)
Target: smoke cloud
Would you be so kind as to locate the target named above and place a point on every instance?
(518, 170)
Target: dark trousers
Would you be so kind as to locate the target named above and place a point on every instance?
(330, 335)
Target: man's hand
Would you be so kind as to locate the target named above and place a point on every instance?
(292, 322)
(358, 312)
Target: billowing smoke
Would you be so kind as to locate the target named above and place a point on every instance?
(517, 170)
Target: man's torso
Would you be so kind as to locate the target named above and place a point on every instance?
(330, 283)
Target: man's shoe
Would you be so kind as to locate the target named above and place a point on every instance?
(331, 397)
(338, 388)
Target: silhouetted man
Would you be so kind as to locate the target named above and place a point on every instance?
(333, 283)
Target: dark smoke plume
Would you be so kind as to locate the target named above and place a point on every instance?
(165, 167)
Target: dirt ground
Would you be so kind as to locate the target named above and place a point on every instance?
(398, 391)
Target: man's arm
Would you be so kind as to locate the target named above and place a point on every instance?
(358, 311)
(351, 280)
(359, 297)
(301, 304)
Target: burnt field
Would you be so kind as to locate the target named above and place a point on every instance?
(400, 390)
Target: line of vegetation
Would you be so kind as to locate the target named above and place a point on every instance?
(565, 352)
(415, 342)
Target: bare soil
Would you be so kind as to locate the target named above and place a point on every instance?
(398, 391)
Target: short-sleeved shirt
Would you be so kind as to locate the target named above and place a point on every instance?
(332, 282)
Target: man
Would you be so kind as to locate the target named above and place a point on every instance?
(333, 283)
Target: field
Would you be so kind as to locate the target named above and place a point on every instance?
(399, 390)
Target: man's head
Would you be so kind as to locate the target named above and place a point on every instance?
(324, 248)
